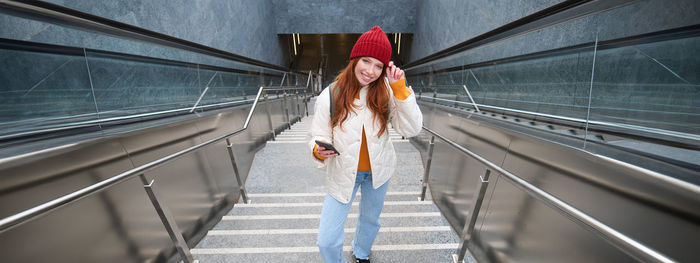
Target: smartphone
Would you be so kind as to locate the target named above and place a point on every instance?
(328, 146)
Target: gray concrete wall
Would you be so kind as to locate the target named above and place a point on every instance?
(650, 85)
(442, 24)
(243, 27)
(357, 16)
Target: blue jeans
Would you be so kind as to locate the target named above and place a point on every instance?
(331, 232)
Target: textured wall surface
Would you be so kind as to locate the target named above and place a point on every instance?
(621, 22)
(442, 24)
(645, 84)
(356, 16)
(243, 27)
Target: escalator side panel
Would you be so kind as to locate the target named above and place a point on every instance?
(513, 226)
(120, 224)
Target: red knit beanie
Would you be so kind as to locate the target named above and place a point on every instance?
(373, 43)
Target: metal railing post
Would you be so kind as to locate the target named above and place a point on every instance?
(269, 118)
(456, 99)
(471, 219)
(434, 94)
(308, 79)
(296, 101)
(241, 185)
(169, 222)
(286, 108)
(306, 103)
(426, 174)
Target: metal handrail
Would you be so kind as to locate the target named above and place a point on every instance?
(443, 85)
(679, 135)
(89, 123)
(32, 213)
(547, 17)
(617, 239)
(57, 14)
(285, 88)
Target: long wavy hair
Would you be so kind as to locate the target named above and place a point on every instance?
(349, 86)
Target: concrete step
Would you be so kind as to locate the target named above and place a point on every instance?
(292, 135)
(308, 237)
(317, 210)
(319, 197)
(409, 204)
(298, 133)
(380, 254)
(281, 222)
(290, 138)
(293, 221)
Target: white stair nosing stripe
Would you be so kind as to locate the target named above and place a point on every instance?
(304, 137)
(271, 250)
(318, 194)
(315, 230)
(386, 203)
(290, 141)
(295, 133)
(318, 216)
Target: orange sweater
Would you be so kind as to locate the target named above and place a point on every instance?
(400, 93)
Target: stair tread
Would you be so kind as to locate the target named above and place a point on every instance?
(287, 199)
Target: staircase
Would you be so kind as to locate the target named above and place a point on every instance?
(286, 190)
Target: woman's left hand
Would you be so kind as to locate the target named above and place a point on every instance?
(393, 73)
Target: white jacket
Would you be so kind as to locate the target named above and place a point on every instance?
(405, 117)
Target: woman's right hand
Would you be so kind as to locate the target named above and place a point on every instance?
(324, 152)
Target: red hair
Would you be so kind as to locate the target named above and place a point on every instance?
(349, 86)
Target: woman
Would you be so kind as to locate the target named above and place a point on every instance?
(369, 93)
